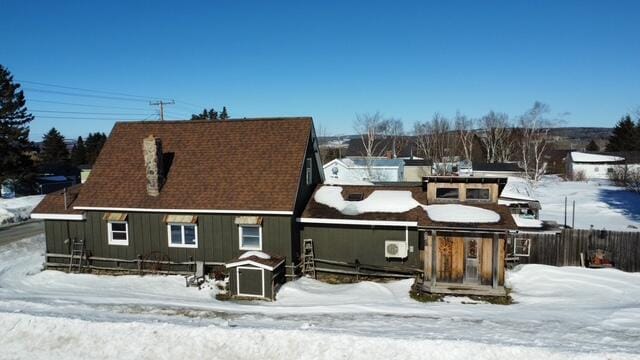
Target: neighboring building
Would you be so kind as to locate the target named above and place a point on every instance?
(451, 229)
(497, 170)
(415, 169)
(357, 171)
(591, 165)
(175, 194)
(519, 197)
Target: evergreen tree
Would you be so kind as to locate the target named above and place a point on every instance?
(592, 146)
(625, 137)
(79, 153)
(205, 115)
(224, 115)
(54, 150)
(15, 163)
(94, 144)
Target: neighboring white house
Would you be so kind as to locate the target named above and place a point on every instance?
(591, 166)
(354, 171)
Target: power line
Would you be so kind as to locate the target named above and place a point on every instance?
(85, 105)
(88, 118)
(88, 90)
(87, 113)
(84, 95)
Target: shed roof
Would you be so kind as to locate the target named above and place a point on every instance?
(319, 212)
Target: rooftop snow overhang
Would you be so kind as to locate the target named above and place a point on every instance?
(51, 216)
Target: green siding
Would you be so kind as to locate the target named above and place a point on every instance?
(363, 243)
(217, 237)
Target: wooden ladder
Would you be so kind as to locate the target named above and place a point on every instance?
(308, 258)
(77, 253)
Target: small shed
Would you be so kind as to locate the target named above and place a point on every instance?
(255, 274)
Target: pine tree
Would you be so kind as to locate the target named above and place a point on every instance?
(206, 115)
(592, 146)
(79, 153)
(54, 150)
(94, 144)
(625, 137)
(15, 163)
(224, 115)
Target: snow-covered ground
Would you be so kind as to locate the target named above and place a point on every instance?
(561, 313)
(17, 209)
(597, 203)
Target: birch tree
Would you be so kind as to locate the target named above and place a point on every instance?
(534, 127)
(371, 128)
(464, 130)
(494, 135)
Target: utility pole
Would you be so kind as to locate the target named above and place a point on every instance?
(162, 104)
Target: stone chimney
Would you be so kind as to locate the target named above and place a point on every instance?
(152, 150)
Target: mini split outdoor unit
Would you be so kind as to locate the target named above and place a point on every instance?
(395, 249)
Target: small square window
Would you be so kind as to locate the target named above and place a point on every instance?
(183, 235)
(250, 237)
(447, 193)
(118, 233)
(477, 194)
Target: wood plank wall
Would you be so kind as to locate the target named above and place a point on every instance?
(564, 248)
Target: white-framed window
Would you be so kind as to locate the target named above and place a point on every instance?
(250, 237)
(182, 235)
(309, 174)
(521, 246)
(118, 233)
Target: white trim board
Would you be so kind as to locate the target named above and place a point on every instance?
(201, 211)
(254, 263)
(46, 216)
(357, 222)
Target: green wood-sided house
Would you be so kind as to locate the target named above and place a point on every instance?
(169, 194)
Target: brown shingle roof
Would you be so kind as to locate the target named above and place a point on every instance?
(417, 214)
(53, 203)
(252, 164)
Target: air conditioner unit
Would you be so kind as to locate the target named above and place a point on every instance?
(395, 249)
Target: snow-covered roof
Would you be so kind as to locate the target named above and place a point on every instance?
(456, 213)
(387, 201)
(255, 253)
(577, 156)
(517, 188)
(526, 223)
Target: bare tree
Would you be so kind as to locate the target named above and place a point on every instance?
(435, 140)
(371, 128)
(494, 135)
(393, 129)
(534, 128)
(464, 129)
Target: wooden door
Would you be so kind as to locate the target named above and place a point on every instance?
(472, 261)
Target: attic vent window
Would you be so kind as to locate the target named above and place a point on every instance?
(355, 197)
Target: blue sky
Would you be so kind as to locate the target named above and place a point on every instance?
(329, 60)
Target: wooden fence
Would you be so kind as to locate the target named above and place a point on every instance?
(567, 247)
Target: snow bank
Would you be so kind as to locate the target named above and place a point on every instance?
(388, 201)
(55, 338)
(594, 158)
(455, 213)
(18, 209)
(597, 203)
